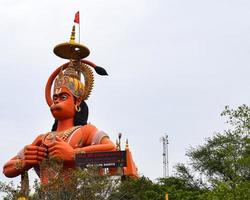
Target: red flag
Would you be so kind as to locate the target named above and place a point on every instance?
(77, 17)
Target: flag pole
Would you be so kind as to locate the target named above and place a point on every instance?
(79, 28)
(77, 21)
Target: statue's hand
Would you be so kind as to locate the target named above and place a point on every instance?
(33, 155)
(61, 150)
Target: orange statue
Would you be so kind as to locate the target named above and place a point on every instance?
(71, 134)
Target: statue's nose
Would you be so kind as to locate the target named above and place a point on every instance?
(56, 101)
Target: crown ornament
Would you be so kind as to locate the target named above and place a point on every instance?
(70, 74)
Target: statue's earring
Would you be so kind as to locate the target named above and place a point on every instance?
(78, 108)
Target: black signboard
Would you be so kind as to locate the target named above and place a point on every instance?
(102, 159)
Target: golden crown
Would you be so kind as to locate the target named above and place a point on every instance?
(71, 79)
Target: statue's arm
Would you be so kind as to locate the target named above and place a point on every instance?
(30, 156)
(96, 141)
(105, 144)
(14, 167)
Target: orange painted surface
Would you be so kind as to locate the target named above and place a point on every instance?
(58, 144)
(63, 109)
(131, 169)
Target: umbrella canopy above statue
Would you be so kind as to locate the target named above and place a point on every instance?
(71, 50)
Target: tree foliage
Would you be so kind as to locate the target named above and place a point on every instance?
(74, 184)
(136, 189)
(224, 160)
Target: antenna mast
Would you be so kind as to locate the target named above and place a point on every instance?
(165, 143)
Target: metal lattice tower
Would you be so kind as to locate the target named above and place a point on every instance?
(165, 143)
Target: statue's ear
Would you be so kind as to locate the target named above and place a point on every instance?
(78, 101)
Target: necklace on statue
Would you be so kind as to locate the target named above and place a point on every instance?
(65, 134)
(51, 136)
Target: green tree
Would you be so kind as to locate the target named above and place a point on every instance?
(137, 189)
(224, 160)
(77, 184)
(180, 189)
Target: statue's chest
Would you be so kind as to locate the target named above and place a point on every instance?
(74, 138)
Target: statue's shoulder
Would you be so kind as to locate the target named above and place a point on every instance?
(88, 132)
(88, 128)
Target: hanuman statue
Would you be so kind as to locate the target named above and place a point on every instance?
(71, 133)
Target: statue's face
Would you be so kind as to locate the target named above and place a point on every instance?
(63, 106)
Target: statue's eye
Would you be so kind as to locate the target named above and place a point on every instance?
(64, 97)
(55, 98)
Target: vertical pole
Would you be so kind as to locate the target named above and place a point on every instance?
(164, 157)
(25, 184)
(167, 155)
(163, 140)
(166, 196)
(79, 30)
(119, 141)
(165, 143)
